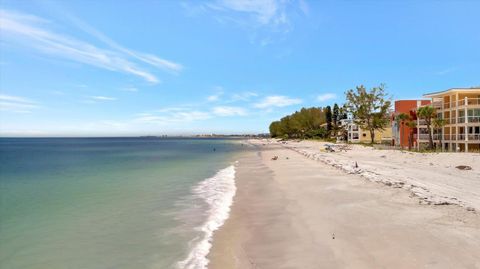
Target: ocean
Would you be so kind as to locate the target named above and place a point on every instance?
(113, 202)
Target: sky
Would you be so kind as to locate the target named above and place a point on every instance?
(128, 68)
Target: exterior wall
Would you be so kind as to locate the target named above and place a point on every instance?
(461, 110)
(401, 132)
(357, 135)
(380, 136)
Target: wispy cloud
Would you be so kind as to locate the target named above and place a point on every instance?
(244, 96)
(226, 111)
(102, 98)
(17, 104)
(264, 12)
(144, 57)
(446, 71)
(266, 21)
(326, 96)
(277, 101)
(302, 4)
(32, 31)
(174, 116)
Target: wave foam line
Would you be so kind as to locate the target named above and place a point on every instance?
(218, 192)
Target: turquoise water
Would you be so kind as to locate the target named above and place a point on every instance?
(104, 202)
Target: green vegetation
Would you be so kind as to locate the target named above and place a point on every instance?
(407, 120)
(369, 109)
(314, 122)
(438, 124)
(428, 113)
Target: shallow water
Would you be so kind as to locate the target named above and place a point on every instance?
(107, 202)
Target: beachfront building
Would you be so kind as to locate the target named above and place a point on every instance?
(460, 107)
(401, 132)
(355, 134)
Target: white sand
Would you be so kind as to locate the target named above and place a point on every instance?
(303, 213)
(430, 176)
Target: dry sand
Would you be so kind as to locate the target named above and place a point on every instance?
(304, 213)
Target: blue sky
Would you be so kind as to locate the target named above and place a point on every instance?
(98, 68)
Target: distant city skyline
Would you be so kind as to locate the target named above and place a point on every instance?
(109, 68)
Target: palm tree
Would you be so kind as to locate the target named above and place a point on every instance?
(412, 124)
(401, 119)
(428, 113)
(438, 124)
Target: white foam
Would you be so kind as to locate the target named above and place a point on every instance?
(218, 192)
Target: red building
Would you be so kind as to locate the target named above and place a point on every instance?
(400, 131)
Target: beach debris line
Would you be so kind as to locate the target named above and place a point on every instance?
(275, 158)
(463, 167)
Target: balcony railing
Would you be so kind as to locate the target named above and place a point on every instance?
(437, 104)
(425, 136)
(450, 137)
(471, 119)
(470, 101)
(472, 137)
(450, 121)
(422, 122)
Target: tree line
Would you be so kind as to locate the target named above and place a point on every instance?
(313, 122)
(369, 109)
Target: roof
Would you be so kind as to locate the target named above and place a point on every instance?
(434, 94)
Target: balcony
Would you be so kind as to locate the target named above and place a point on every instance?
(421, 122)
(425, 136)
(437, 104)
(450, 121)
(453, 137)
(470, 102)
(473, 137)
(450, 137)
(471, 119)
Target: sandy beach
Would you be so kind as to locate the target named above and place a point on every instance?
(312, 209)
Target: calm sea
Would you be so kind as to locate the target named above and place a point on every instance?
(112, 202)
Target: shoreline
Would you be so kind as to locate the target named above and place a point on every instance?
(301, 213)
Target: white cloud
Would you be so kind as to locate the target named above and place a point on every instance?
(277, 101)
(225, 111)
(32, 31)
(172, 117)
(304, 7)
(17, 104)
(446, 71)
(214, 97)
(244, 96)
(326, 96)
(102, 98)
(265, 11)
(265, 21)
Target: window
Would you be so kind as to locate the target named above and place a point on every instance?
(364, 135)
(355, 136)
